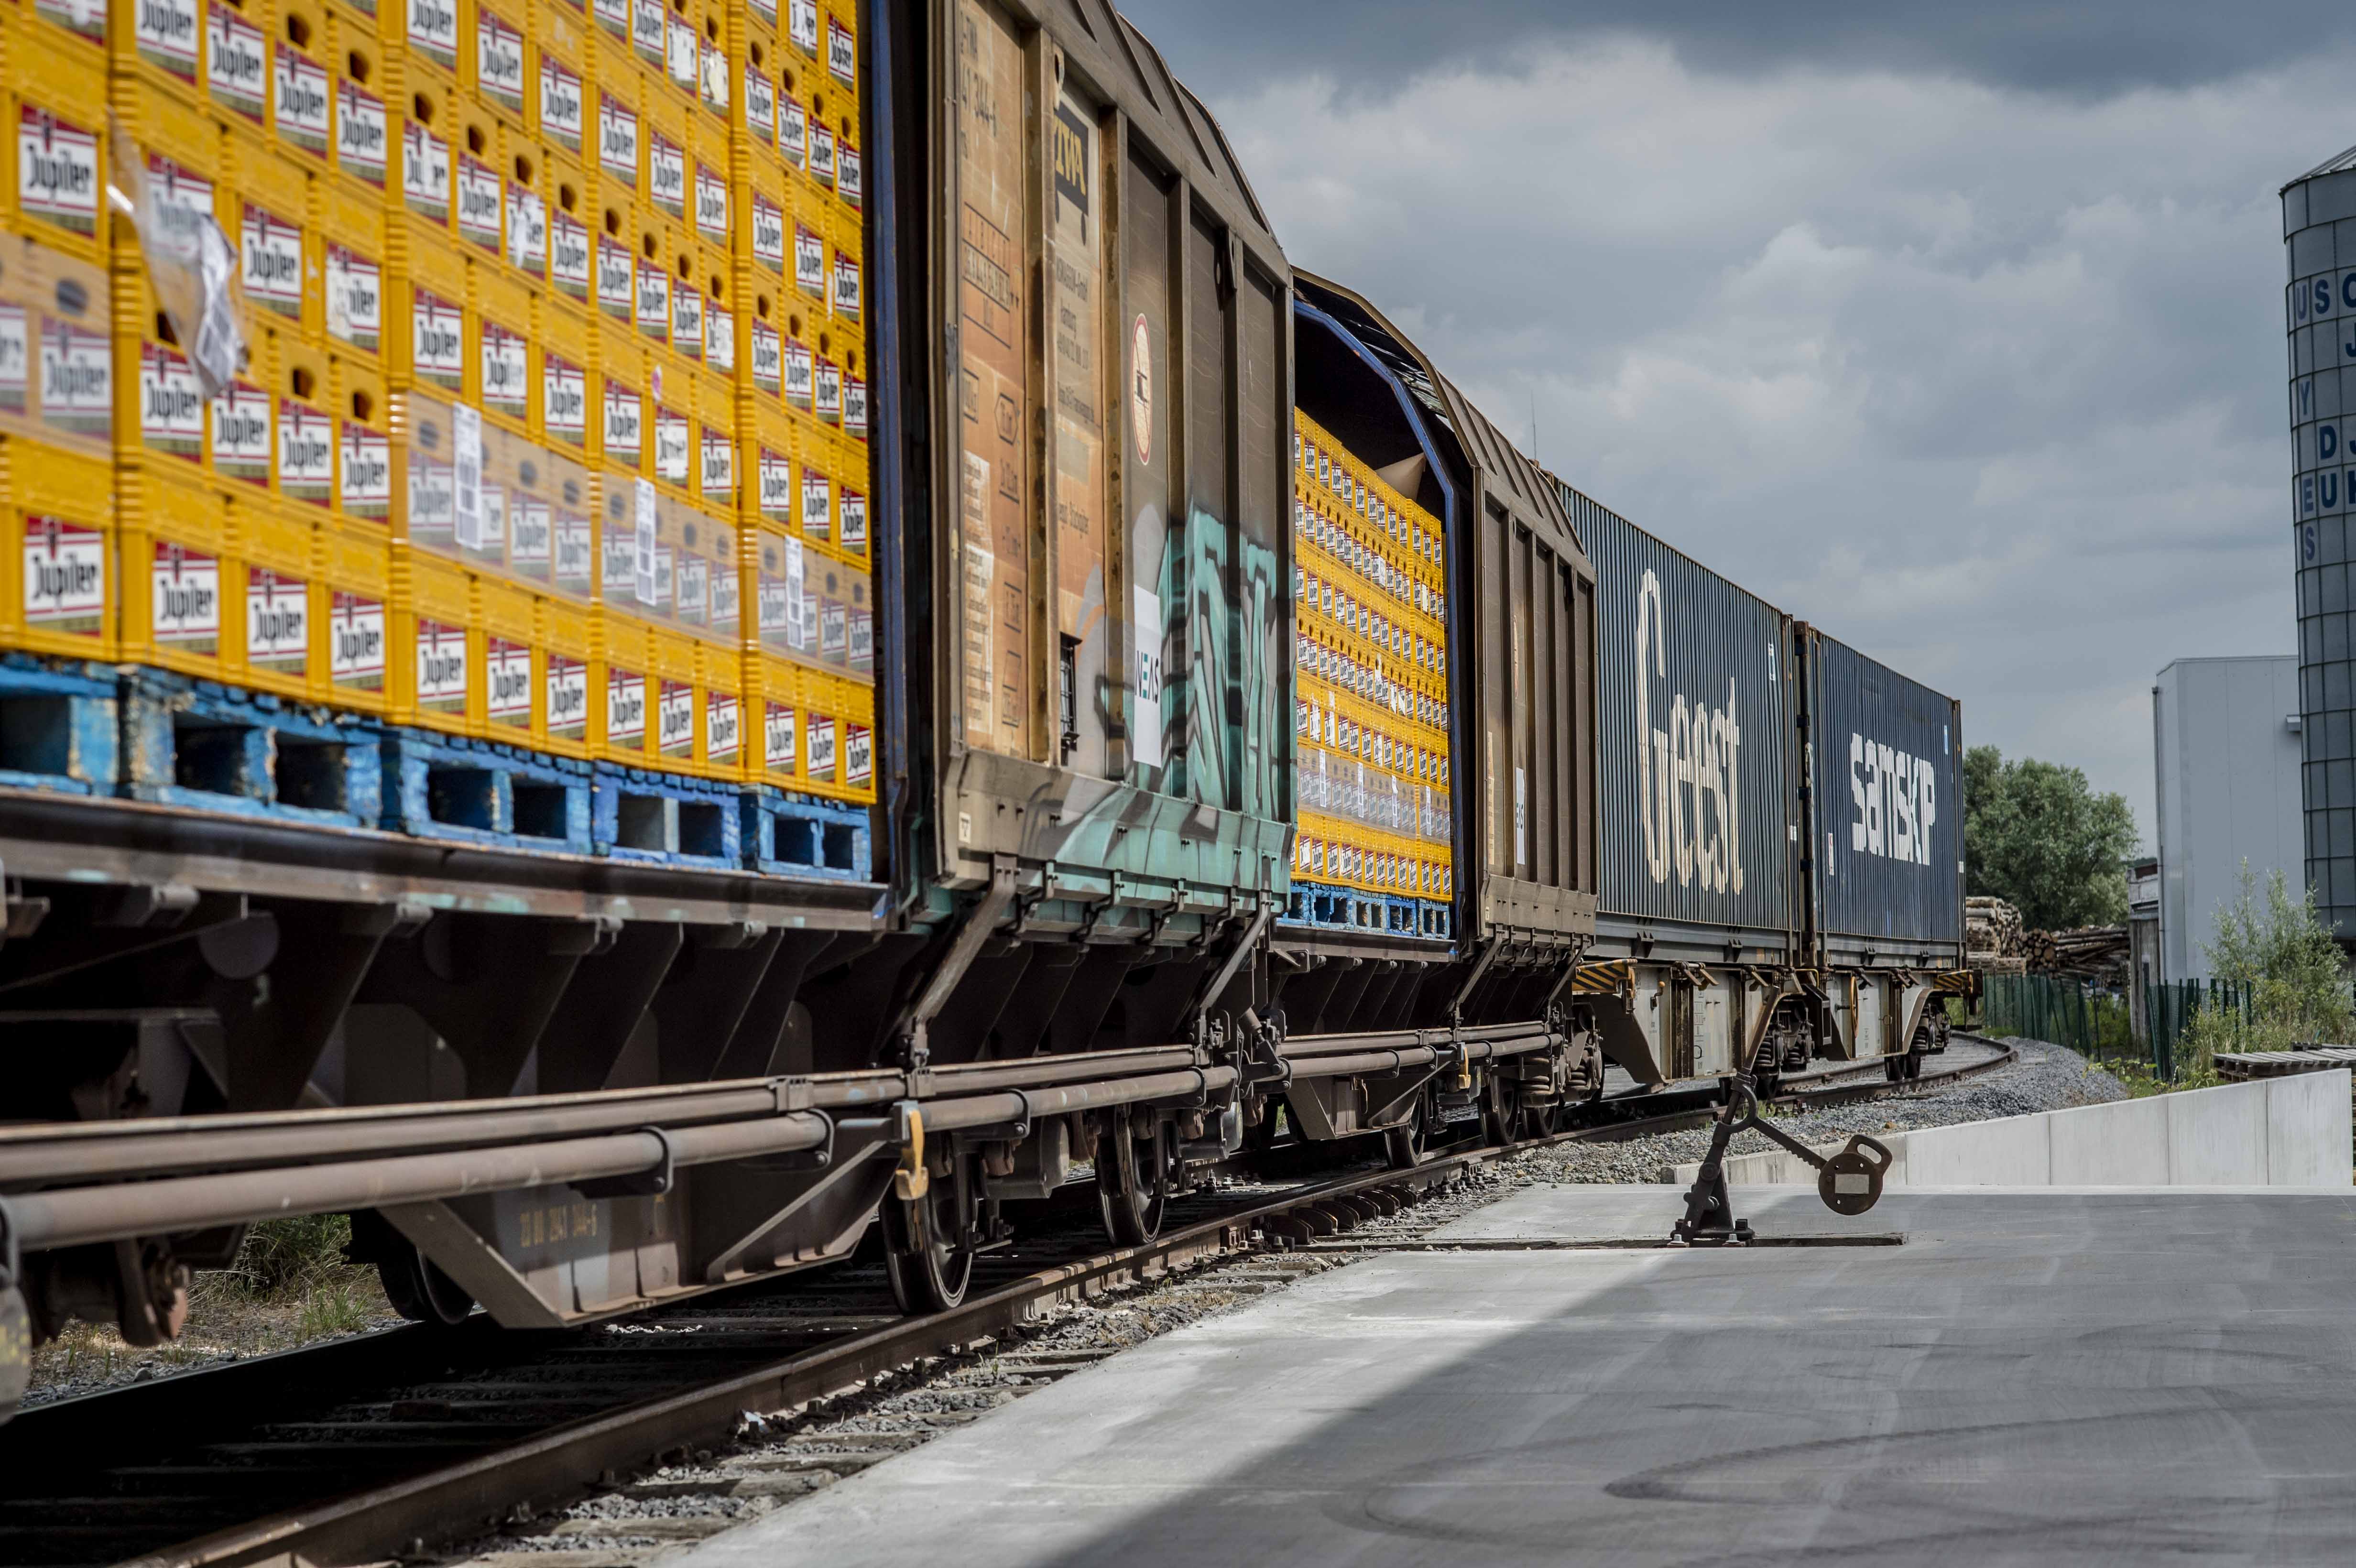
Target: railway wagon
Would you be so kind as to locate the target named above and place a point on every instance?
(1781, 832)
(1086, 923)
(1884, 830)
(1513, 635)
(564, 1073)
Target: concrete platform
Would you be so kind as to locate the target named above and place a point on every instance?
(2037, 1376)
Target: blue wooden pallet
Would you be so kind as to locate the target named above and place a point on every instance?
(192, 742)
(1332, 908)
(60, 726)
(482, 792)
(803, 835)
(668, 819)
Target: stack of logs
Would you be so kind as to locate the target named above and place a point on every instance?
(2091, 952)
(1992, 936)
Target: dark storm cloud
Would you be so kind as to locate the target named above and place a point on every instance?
(1984, 380)
(1222, 46)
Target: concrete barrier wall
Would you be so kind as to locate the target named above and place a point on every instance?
(2279, 1132)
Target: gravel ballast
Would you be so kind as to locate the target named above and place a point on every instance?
(779, 1455)
(2045, 1077)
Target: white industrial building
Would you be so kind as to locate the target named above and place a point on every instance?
(2225, 738)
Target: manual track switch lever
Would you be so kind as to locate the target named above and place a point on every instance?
(1850, 1182)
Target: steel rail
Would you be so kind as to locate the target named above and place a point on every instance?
(1856, 1093)
(556, 1465)
(559, 1463)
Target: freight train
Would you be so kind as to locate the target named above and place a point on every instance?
(1264, 750)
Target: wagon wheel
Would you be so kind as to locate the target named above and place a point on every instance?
(1404, 1143)
(1496, 1112)
(928, 1269)
(420, 1291)
(1133, 1180)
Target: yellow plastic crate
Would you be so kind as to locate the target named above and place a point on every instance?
(752, 114)
(175, 561)
(622, 721)
(269, 208)
(529, 189)
(567, 413)
(676, 700)
(425, 123)
(617, 130)
(351, 250)
(273, 622)
(499, 60)
(236, 64)
(57, 106)
(512, 661)
(572, 220)
(352, 636)
(615, 260)
(795, 83)
(364, 435)
(724, 749)
(666, 189)
(436, 645)
(622, 428)
(305, 430)
(563, 113)
(58, 586)
(479, 146)
(430, 314)
(242, 421)
(368, 81)
(568, 633)
(774, 708)
(506, 374)
(303, 81)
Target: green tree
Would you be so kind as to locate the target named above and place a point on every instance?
(2037, 835)
(2280, 958)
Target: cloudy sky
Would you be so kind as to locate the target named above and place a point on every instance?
(1954, 329)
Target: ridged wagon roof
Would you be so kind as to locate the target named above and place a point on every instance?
(1122, 61)
(1515, 478)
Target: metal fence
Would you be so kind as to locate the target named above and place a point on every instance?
(2096, 1023)
(2093, 1023)
(2170, 1006)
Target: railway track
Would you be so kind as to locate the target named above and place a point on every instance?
(359, 1450)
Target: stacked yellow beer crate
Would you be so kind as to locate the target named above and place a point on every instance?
(1372, 691)
(550, 442)
(796, 264)
(57, 372)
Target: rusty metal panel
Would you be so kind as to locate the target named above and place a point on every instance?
(1105, 529)
(1259, 703)
(995, 354)
(1149, 459)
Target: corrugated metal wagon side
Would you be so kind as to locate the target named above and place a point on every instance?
(1887, 798)
(1098, 498)
(1884, 819)
(1522, 639)
(1697, 938)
